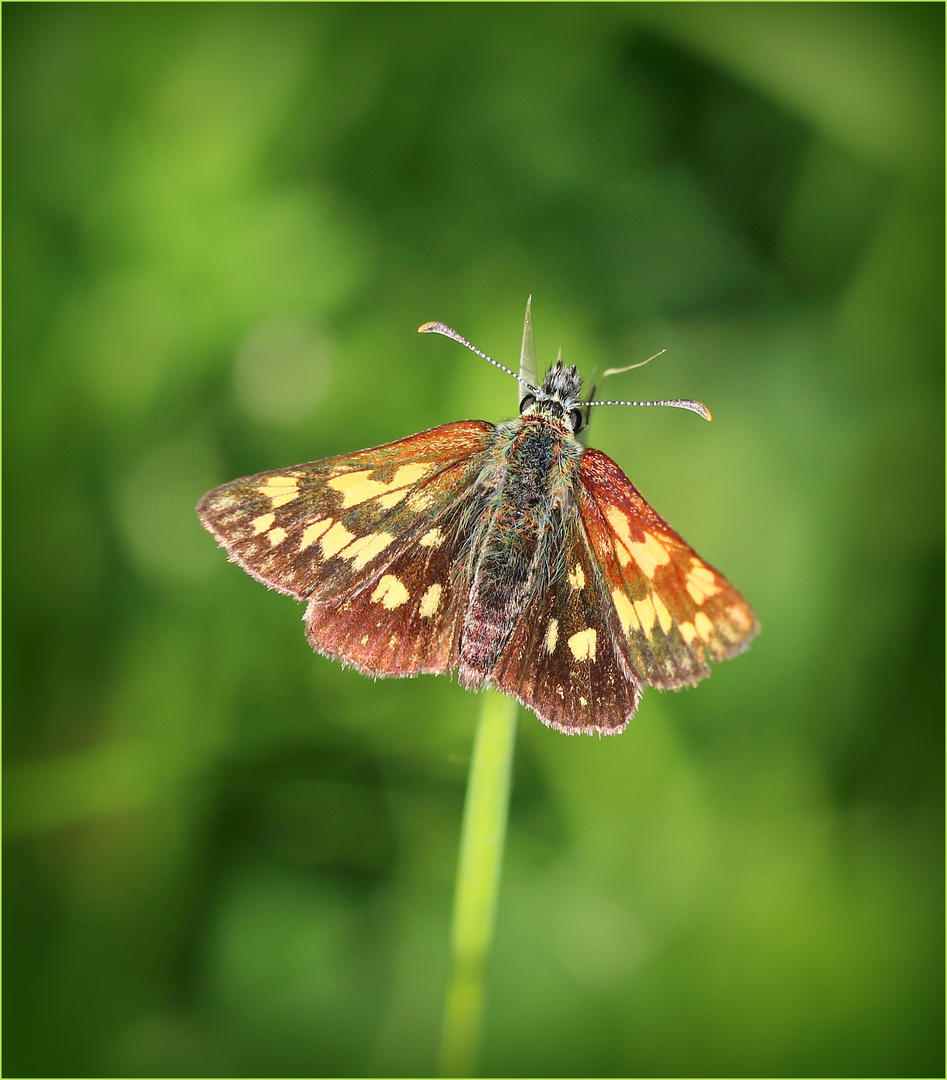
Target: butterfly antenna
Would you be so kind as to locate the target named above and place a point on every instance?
(631, 367)
(446, 331)
(678, 403)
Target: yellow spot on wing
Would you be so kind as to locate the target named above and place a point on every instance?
(421, 500)
(365, 548)
(740, 616)
(262, 523)
(688, 633)
(313, 532)
(647, 616)
(411, 474)
(432, 538)
(648, 553)
(552, 635)
(430, 601)
(701, 582)
(280, 489)
(577, 577)
(703, 626)
(276, 536)
(390, 592)
(395, 497)
(358, 487)
(665, 620)
(582, 644)
(334, 540)
(644, 613)
(620, 527)
(624, 608)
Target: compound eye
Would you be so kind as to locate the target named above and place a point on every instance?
(576, 421)
(527, 402)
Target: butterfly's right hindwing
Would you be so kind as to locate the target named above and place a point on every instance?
(565, 659)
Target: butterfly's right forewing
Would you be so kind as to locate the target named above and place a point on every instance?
(675, 612)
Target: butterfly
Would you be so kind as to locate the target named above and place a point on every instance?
(508, 553)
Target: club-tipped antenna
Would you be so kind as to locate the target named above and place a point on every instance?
(678, 403)
(446, 331)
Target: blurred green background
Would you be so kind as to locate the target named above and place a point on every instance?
(222, 226)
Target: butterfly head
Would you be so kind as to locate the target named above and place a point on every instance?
(557, 399)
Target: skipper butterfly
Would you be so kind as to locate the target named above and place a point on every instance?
(508, 553)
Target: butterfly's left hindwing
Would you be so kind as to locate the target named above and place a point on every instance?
(369, 539)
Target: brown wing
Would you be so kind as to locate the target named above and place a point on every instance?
(371, 540)
(566, 659)
(674, 610)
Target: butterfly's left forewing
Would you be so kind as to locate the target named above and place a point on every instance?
(369, 539)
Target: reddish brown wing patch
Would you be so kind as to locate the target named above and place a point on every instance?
(674, 611)
(405, 617)
(372, 540)
(306, 529)
(566, 659)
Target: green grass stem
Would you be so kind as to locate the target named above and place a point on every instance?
(483, 834)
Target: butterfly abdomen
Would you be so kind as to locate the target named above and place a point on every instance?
(515, 540)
